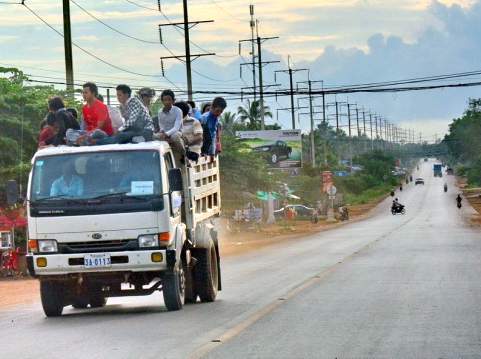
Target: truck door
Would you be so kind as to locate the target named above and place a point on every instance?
(175, 197)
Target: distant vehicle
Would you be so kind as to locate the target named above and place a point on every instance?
(275, 151)
(426, 159)
(302, 211)
(438, 170)
(449, 171)
(399, 209)
(419, 181)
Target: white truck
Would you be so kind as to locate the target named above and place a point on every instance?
(122, 220)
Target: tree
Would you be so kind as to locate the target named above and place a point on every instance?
(229, 122)
(22, 108)
(250, 115)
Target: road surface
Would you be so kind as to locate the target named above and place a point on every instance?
(386, 287)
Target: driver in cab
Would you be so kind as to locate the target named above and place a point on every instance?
(69, 184)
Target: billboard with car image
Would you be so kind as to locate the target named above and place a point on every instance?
(280, 148)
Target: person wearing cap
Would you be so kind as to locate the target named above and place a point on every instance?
(146, 94)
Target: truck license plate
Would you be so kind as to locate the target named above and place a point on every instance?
(97, 260)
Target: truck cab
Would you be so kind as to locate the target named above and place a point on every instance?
(122, 220)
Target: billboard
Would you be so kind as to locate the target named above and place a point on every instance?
(280, 148)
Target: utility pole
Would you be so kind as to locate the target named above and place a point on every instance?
(311, 114)
(349, 119)
(253, 51)
(188, 58)
(67, 41)
(291, 72)
(337, 118)
(357, 122)
(370, 126)
(260, 64)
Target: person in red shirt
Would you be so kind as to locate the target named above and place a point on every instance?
(95, 112)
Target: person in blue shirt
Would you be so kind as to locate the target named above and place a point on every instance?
(210, 124)
(195, 112)
(69, 184)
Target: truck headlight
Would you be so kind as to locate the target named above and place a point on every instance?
(148, 240)
(47, 246)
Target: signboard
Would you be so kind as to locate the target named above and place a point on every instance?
(280, 148)
(326, 181)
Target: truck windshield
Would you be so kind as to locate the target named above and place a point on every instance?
(96, 175)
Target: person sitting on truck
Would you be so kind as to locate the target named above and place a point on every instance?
(69, 184)
(210, 124)
(48, 131)
(63, 120)
(96, 119)
(192, 132)
(138, 126)
(170, 124)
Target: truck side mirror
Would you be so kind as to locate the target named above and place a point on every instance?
(175, 180)
(12, 192)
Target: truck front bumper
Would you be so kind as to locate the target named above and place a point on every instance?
(129, 261)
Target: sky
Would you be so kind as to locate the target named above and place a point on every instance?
(340, 42)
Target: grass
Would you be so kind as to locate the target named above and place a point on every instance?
(368, 196)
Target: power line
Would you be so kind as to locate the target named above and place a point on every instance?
(91, 54)
(141, 6)
(409, 81)
(111, 27)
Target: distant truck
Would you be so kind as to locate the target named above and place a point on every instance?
(122, 220)
(438, 170)
(275, 151)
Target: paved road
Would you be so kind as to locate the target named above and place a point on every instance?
(389, 286)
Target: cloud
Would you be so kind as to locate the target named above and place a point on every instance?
(7, 38)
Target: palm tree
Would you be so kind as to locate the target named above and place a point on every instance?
(228, 121)
(252, 114)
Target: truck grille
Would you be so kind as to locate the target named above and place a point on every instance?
(98, 246)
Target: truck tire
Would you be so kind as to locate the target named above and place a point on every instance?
(97, 298)
(173, 288)
(190, 292)
(80, 302)
(98, 301)
(206, 273)
(52, 295)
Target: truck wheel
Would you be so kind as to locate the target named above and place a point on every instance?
(206, 273)
(97, 298)
(190, 293)
(173, 288)
(52, 295)
(274, 158)
(80, 302)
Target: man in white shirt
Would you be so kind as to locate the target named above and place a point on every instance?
(170, 124)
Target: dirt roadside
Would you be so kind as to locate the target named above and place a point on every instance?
(474, 199)
(15, 292)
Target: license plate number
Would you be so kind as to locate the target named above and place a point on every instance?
(97, 260)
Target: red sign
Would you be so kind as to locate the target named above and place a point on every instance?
(326, 181)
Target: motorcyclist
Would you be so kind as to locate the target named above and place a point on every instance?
(459, 199)
(445, 187)
(396, 205)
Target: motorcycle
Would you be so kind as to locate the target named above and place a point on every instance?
(399, 209)
(445, 188)
(459, 200)
(344, 214)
